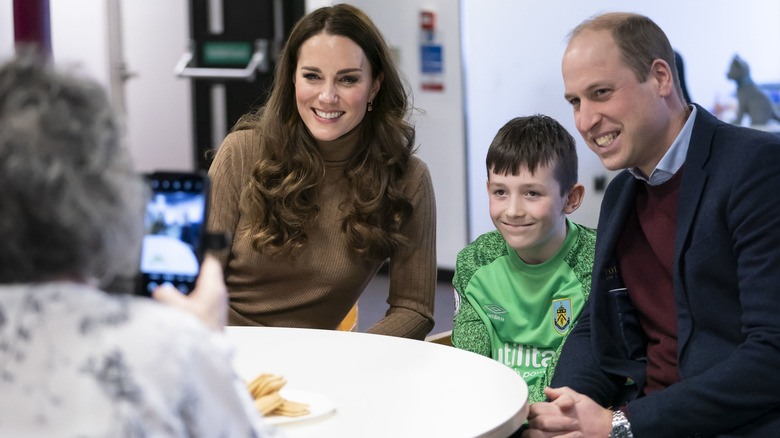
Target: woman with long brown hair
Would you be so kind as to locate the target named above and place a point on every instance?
(320, 187)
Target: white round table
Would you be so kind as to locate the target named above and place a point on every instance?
(383, 386)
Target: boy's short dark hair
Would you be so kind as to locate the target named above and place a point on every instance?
(534, 141)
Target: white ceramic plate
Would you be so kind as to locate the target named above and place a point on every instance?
(319, 405)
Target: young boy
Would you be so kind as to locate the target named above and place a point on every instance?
(521, 288)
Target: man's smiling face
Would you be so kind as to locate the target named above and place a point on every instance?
(621, 119)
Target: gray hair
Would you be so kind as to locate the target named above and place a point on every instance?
(70, 204)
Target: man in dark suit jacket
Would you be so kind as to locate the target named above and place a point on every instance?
(682, 333)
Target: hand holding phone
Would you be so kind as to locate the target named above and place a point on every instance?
(175, 222)
(208, 301)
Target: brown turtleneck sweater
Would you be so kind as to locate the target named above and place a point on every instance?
(320, 285)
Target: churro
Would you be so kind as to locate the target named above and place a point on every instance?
(265, 390)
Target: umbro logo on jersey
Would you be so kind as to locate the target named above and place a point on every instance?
(492, 308)
(493, 312)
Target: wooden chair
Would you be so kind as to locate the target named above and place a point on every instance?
(444, 338)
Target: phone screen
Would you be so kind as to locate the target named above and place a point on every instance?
(175, 222)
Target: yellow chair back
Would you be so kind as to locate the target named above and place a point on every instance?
(350, 322)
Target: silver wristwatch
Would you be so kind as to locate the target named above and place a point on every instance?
(621, 428)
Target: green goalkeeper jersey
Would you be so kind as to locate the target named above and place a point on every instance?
(520, 314)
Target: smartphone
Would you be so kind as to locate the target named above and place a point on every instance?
(175, 222)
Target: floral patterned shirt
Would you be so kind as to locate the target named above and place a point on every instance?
(77, 362)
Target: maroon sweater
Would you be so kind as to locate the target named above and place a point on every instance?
(646, 255)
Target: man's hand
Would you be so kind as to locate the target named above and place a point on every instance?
(568, 414)
(208, 301)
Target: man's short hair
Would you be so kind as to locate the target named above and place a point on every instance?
(639, 40)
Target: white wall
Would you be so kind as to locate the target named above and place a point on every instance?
(512, 53)
(159, 104)
(441, 128)
(78, 29)
(6, 29)
(79, 32)
(157, 119)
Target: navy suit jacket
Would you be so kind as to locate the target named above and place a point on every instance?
(727, 296)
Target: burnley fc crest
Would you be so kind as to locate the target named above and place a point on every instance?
(561, 315)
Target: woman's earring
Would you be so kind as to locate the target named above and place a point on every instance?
(370, 105)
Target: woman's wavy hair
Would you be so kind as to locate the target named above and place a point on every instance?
(72, 207)
(280, 194)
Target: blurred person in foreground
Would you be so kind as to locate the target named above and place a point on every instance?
(320, 187)
(75, 360)
(681, 335)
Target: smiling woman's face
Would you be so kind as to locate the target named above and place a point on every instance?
(333, 85)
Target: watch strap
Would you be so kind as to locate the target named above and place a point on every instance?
(621, 427)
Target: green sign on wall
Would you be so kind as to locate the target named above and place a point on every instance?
(227, 53)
